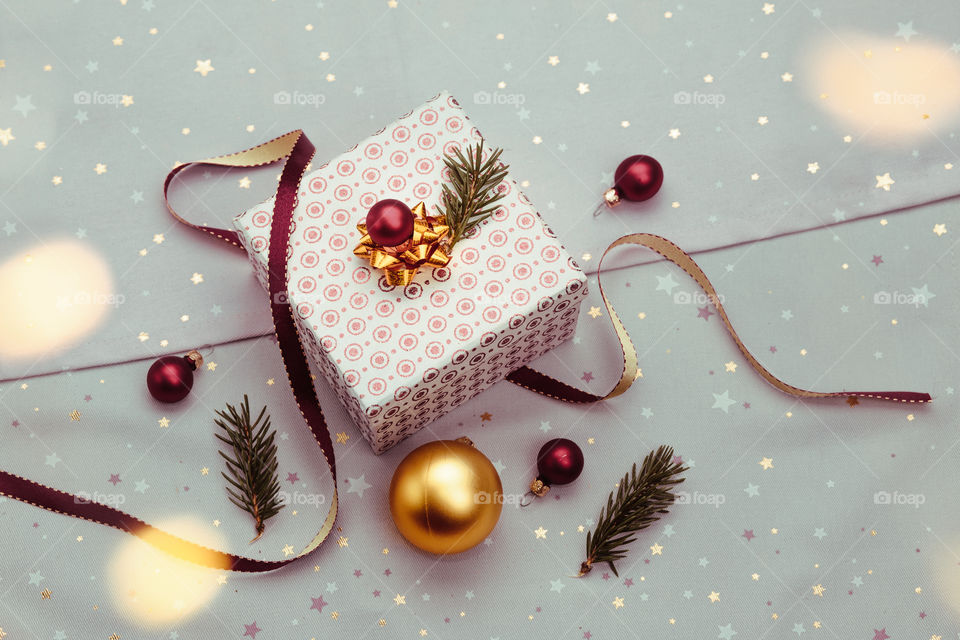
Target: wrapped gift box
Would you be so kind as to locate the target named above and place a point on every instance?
(400, 358)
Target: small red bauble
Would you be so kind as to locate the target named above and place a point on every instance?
(560, 461)
(170, 378)
(638, 178)
(390, 222)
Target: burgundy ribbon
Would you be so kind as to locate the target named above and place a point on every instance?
(298, 150)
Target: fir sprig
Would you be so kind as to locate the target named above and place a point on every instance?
(470, 197)
(252, 470)
(641, 499)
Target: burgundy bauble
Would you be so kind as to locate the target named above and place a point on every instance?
(560, 461)
(638, 178)
(170, 378)
(390, 222)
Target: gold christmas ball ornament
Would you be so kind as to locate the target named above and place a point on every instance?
(446, 496)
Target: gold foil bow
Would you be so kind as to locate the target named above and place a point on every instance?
(400, 263)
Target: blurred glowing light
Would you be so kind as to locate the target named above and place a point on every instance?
(52, 295)
(153, 588)
(893, 91)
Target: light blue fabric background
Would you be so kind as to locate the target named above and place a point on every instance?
(804, 303)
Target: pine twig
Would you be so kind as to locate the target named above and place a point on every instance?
(252, 470)
(640, 501)
(470, 196)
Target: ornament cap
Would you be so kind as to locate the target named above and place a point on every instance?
(538, 488)
(611, 197)
(465, 440)
(195, 358)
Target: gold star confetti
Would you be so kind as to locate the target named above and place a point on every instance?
(583, 88)
(164, 422)
(46, 594)
(775, 616)
(762, 120)
(818, 590)
(383, 622)
(211, 366)
(40, 145)
(580, 528)
(656, 549)
(674, 133)
(100, 168)
(204, 67)
(118, 41)
(813, 167)
(56, 180)
(79, 538)
(244, 182)
(536, 140)
(334, 615)
(269, 382)
(184, 318)
(343, 541)
(2, 634)
(884, 182)
(342, 437)
(595, 312)
(331, 77)
(541, 532)
(768, 8)
(624, 123)
(287, 550)
(816, 624)
(617, 603)
(158, 238)
(940, 229)
(221, 579)
(216, 523)
(641, 315)
(611, 17)
(708, 78)
(196, 278)
(848, 139)
(590, 441)
(423, 632)
(756, 577)
(553, 61)
(115, 636)
(308, 27)
(909, 417)
(75, 416)
(6, 135)
(400, 599)
(324, 55)
(764, 55)
(714, 596)
(730, 366)
(205, 471)
(126, 100)
(766, 463)
(787, 77)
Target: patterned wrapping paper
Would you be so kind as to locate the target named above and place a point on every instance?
(396, 357)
